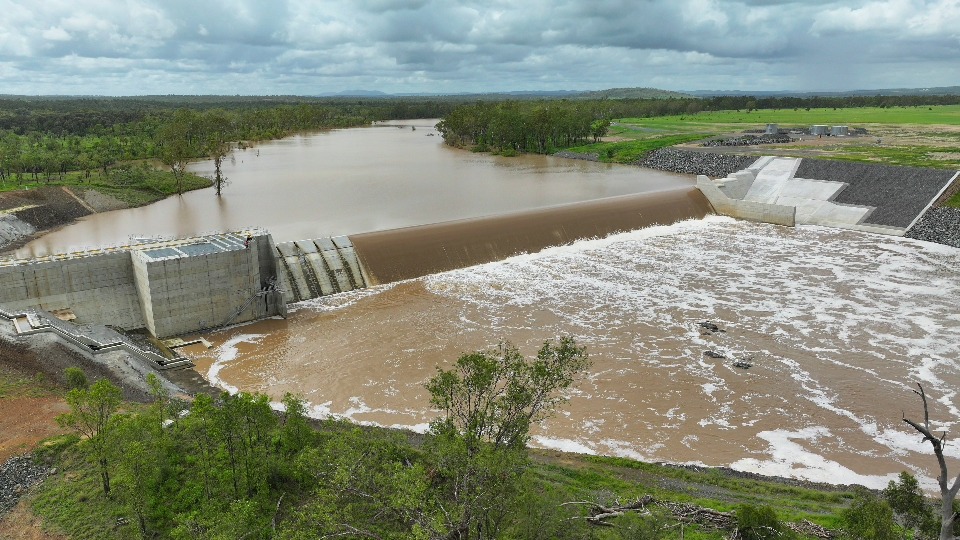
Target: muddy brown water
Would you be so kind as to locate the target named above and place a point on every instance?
(359, 180)
(836, 325)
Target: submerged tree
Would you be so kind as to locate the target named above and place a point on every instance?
(947, 493)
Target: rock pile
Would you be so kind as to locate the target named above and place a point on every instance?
(940, 225)
(689, 162)
(748, 140)
(17, 475)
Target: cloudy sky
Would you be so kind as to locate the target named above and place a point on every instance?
(131, 47)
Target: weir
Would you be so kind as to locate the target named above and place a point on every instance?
(193, 284)
(182, 286)
(412, 252)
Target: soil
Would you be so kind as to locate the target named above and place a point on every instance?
(25, 421)
(50, 208)
(22, 524)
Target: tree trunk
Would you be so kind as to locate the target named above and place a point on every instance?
(105, 476)
(947, 494)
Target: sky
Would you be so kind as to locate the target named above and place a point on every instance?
(310, 47)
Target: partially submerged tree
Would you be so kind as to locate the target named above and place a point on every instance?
(947, 493)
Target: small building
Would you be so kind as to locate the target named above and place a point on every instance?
(839, 131)
(772, 129)
(819, 130)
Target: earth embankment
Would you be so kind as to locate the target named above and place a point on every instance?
(27, 214)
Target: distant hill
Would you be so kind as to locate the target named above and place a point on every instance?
(633, 93)
(933, 91)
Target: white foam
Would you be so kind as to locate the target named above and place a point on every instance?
(790, 459)
(225, 354)
(564, 445)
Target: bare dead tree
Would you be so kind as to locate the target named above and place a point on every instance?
(947, 494)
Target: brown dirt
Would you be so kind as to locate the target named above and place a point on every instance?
(45, 208)
(22, 524)
(25, 421)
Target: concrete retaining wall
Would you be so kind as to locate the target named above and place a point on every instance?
(170, 288)
(100, 287)
(740, 209)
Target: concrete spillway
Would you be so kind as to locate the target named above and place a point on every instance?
(411, 252)
(181, 286)
(319, 267)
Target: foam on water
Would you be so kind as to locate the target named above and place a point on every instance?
(838, 326)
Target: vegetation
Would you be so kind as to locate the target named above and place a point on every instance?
(634, 127)
(82, 141)
(232, 467)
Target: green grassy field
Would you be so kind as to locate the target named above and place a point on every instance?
(135, 185)
(923, 116)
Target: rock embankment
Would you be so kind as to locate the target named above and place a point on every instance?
(688, 162)
(940, 225)
(17, 475)
(749, 140)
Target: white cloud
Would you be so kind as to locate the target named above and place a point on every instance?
(309, 46)
(55, 33)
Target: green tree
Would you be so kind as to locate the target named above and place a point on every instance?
(91, 411)
(177, 139)
(760, 523)
(488, 401)
(870, 518)
(216, 144)
(911, 507)
(76, 378)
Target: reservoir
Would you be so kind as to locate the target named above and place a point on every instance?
(358, 180)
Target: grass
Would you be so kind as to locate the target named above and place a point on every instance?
(633, 150)
(134, 184)
(912, 136)
(73, 501)
(15, 384)
(593, 476)
(953, 202)
(934, 115)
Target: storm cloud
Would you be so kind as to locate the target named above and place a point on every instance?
(130, 47)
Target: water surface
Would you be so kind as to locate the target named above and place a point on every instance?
(359, 180)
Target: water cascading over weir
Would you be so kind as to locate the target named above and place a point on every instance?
(177, 287)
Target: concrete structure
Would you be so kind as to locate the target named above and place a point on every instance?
(320, 267)
(839, 131)
(770, 191)
(819, 130)
(772, 129)
(170, 287)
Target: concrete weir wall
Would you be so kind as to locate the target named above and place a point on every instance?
(169, 288)
(312, 268)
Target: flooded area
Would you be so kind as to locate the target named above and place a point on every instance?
(822, 333)
(837, 327)
(358, 180)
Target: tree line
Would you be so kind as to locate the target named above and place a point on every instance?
(545, 126)
(44, 139)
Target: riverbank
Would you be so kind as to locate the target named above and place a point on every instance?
(55, 469)
(29, 213)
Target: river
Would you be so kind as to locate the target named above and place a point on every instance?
(351, 181)
(836, 326)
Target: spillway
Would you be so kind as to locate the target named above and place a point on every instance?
(411, 252)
